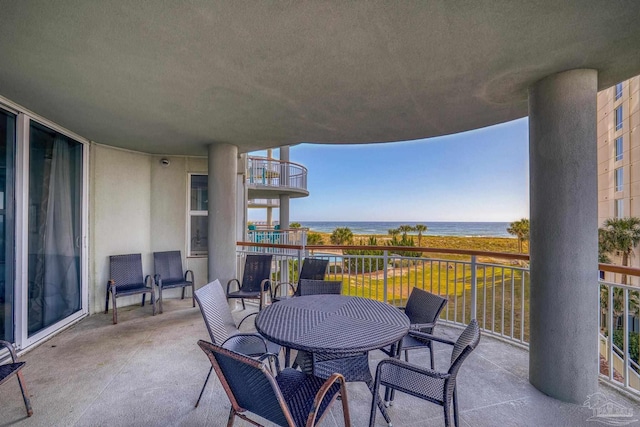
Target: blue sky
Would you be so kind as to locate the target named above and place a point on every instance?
(480, 175)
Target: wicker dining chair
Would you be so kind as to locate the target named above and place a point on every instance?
(423, 310)
(256, 279)
(169, 274)
(434, 386)
(126, 279)
(8, 370)
(221, 327)
(312, 269)
(290, 398)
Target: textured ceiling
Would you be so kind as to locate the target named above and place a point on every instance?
(171, 77)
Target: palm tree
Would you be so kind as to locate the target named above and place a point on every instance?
(620, 236)
(342, 236)
(393, 232)
(520, 229)
(404, 229)
(314, 239)
(420, 228)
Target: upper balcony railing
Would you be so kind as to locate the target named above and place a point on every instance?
(273, 173)
(491, 287)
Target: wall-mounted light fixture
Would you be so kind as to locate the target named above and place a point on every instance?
(165, 162)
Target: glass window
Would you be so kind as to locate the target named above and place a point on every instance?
(618, 91)
(619, 117)
(198, 215)
(619, 208)
(618, 180)
(7, 144)
(619, 148)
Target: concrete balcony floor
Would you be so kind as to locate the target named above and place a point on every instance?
(148, 371)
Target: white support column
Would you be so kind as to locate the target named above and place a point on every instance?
(284, 199)
(222, 212)
(563, 352)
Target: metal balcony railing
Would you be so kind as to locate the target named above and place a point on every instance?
(490, 287)
(264, 172)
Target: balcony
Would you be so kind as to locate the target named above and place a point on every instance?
(269, 178)
(148, 370)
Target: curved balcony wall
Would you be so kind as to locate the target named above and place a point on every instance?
(268, 178)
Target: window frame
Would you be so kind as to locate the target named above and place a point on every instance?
(618, 117)
(194, 213)
(619, 148)
(618, 91)
(618, 208)
(618, 179)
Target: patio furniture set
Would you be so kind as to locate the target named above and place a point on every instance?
(333, 335)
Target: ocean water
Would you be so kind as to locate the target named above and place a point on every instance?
(468, 229)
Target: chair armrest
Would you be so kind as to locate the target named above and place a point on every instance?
(274, 290)
(426, 336)
(246, 339)
(272, 358)
(321, 394)
(111, 284)
(146, 281)
(12, 350)
(412, 368)
(265, 284)
(157, 279)
(187, 273)
(419, 326)
(229, 284)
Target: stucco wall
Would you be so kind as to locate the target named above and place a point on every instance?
(138, 206)
(120, 215)
(169, 203)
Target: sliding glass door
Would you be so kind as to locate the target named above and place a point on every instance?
(7, 145)
(54, 260)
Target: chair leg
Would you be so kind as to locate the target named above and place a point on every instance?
(143, 298)
(455, 408)
(25, 393)
(115, 308)
(183, 289)
(204, 385)
(243, 307)
(193, 295)
(160, 308)
(447, 412)
(232, 415)
(433, 364)
(153, 301)
(106, 305)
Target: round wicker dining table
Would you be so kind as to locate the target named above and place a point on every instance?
(339, 330)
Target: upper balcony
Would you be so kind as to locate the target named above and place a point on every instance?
(269, 178)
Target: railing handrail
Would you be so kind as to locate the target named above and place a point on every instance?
(267, 159)
(470, 252)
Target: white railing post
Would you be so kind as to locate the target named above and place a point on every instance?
(610, 327)
(385, 260)
(474, 288)
(625, 340)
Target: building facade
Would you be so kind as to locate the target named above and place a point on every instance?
(619, 152)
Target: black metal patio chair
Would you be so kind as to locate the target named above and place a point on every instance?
(169, 274)
(423, 310)
(126, 279)
(15, 368)
(312, 269)
(291, 398)
(221, 326)
(427, 384)
(256, 279)
(318, 287)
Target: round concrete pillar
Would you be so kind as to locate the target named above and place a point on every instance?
(563, 353)
(222, 212)
(284, 199)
